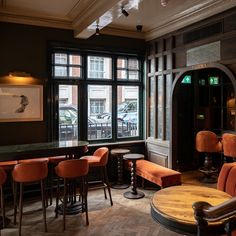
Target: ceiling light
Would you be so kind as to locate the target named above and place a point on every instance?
(97, 31)
(124, 12)
(164, 3)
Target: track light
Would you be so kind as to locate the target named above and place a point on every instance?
(124, 12)
(164, 3)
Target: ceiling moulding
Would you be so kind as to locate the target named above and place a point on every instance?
(90, 13)
(190, 16)
(35, 20)
(122, 33)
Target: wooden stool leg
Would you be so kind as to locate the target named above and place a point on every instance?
(43, 204)
(103, 181)
(107, 183)
(64, 204)
(3, 208)
(15, 200)
(85, 191)
(21, 207)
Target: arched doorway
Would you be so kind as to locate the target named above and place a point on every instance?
(203, 97)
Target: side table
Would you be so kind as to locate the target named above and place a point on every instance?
(119, 152)
(133, 193)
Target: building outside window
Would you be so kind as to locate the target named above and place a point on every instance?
(97, 106)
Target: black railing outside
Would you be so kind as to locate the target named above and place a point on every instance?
(98, 131)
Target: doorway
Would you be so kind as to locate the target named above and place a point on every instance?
(203, 99)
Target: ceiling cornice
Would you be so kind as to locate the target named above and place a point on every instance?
(192, 15)
(35, 20)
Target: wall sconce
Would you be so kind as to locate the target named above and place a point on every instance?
(124, 12)
(19, 74)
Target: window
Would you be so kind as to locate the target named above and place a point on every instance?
(66, 65)
(97, 106)
(88, 95)
(99, 67)
(128, 69)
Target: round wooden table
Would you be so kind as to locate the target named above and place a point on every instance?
(133, 193)
(172, 207)
(119, 152)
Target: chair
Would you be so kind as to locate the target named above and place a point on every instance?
(3, 177)
(29, 172)
(99, 160)
(70, 170)
(207, 142)
(229, 145)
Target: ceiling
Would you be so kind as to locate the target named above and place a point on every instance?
(83, 16)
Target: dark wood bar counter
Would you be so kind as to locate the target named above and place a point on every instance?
(23, 151)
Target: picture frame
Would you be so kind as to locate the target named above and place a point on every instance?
(21, 103)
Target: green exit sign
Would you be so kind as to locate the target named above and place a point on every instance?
(187, 79)
(213, 80)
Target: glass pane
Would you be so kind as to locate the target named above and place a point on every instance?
(68, 113)
(133, 64)
(160, 123)
(99, 112)
(60, 58)
(60, 71)
(127, 111)
(121, 63)
(121, 74)
(74, 71)
(168, 89)
(99, 67)
(160, 91)
(133, 75)
(74, 60)
(167, 123)
(152, 108)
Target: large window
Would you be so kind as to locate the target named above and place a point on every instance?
(112, 87)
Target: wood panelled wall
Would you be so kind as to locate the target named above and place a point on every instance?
(166, 58)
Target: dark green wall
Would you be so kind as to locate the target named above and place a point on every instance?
(25, 48)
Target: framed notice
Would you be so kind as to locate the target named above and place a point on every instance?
(21, 103)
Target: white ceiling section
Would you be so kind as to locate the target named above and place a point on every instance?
(83, 16)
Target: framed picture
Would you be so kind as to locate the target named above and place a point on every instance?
(21, 103)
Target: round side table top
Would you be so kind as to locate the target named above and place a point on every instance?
(133, 156)
(119, 151)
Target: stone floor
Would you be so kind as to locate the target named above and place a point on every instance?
(125, 218)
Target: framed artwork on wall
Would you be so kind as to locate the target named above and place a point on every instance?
(21, 103)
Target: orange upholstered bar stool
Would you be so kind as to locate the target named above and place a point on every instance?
(70, 170)
(99, 160)
(29, 172)
(229, 145)
(208, 143)
(3, 177)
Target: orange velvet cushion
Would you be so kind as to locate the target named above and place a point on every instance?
(157, 174)
(92, 160)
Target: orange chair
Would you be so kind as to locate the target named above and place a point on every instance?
(70, 170)
(27, 173)
(99, 159)
(229, 145)
(208, 143)
(3, 177)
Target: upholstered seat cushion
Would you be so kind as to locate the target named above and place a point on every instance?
(92, 160)
(157, 174)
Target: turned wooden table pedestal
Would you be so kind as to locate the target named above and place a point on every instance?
(133, 193)
(119, 153)
(172, 207)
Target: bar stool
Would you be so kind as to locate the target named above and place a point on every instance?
(27, 173)
(52, 163)
(208, 143)
(229, 145)
(3, 177)
(99, 160)
(71, 170)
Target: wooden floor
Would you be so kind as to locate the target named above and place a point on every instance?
(124, 218)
